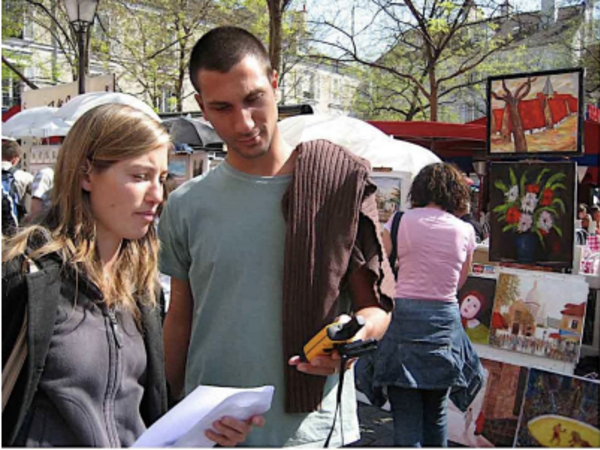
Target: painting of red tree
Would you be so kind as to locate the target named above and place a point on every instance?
(535, 113)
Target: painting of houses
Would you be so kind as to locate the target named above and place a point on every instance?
(539, 313)
(492, 419)
(535, 113)
(559, 411)
(532, 218)
(392, 192)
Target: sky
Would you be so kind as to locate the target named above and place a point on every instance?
(370, 44)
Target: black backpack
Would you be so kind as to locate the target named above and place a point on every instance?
(393, 258)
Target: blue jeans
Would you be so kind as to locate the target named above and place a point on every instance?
(420, 417)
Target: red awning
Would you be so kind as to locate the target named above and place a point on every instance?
(11, 112)
(448, 140)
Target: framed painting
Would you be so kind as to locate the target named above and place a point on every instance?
(539, 313)
(532, 212)
(392, 192)
(491, 420)
(559, 411)
(476, 301)
(539, 112)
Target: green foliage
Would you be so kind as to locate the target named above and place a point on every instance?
(500, 185)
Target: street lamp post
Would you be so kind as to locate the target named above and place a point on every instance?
(81, 16)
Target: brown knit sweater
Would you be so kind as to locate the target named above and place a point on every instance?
(332, 230)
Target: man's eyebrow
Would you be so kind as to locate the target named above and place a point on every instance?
(218, 103)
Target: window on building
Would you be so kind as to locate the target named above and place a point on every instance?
(168, 100)
(11, 90)
(14, 21)
(336, 90)
(309, 86)
(100, 40)
(574, 324)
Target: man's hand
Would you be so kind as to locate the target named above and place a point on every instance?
(324, 365)
(321, 365)
(229, 432)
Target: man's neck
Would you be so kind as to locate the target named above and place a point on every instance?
(279, 160)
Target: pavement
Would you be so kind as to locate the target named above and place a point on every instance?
(376, 427)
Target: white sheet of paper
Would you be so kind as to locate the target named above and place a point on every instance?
(185, 424)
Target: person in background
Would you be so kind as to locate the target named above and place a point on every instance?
(247, 291)
(595, 213)
(582, 233)
(41, 191)
(581, 211)
(16, 183)
(467, 217)
(425, 350)
(83, 280)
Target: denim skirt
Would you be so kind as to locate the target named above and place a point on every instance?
(425, 347)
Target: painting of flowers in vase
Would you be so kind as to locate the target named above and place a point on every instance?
(532, 212)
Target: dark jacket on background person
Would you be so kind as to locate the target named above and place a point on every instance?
(479, 231)
(46, 294)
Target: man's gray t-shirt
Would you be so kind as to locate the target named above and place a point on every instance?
(225, 234)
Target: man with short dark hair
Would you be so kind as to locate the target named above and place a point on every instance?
(265, 250)
(16, 183)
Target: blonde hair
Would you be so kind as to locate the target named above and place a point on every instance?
(102, 137)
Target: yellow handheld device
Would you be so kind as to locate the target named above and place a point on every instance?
(331, 337)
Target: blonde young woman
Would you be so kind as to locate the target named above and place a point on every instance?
(86, 275)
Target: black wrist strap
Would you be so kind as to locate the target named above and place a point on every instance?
(338, 404)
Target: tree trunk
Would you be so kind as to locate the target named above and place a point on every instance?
(433, 97)
(181, 77)
(275, 20)
(518, 133)
(505, 130)
(547, 114)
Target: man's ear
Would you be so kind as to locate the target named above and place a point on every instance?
(274, 79)
(198, 98)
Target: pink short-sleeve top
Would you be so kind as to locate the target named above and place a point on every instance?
(433, 245)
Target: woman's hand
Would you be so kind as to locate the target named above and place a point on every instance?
(229, 432)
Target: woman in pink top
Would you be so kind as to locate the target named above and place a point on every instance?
(425, 352)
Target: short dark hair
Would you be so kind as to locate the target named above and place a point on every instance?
(10, 150)
(222, 48)
(594, 209)
(441, 184)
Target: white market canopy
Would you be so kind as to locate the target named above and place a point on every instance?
(78, 106)
(46, 121)
(34, 122)
(360, 138)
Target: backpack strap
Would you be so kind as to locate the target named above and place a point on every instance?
(394, 235)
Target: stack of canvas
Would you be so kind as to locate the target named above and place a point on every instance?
(526, 407)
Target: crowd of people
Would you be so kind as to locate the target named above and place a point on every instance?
(260, 254)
